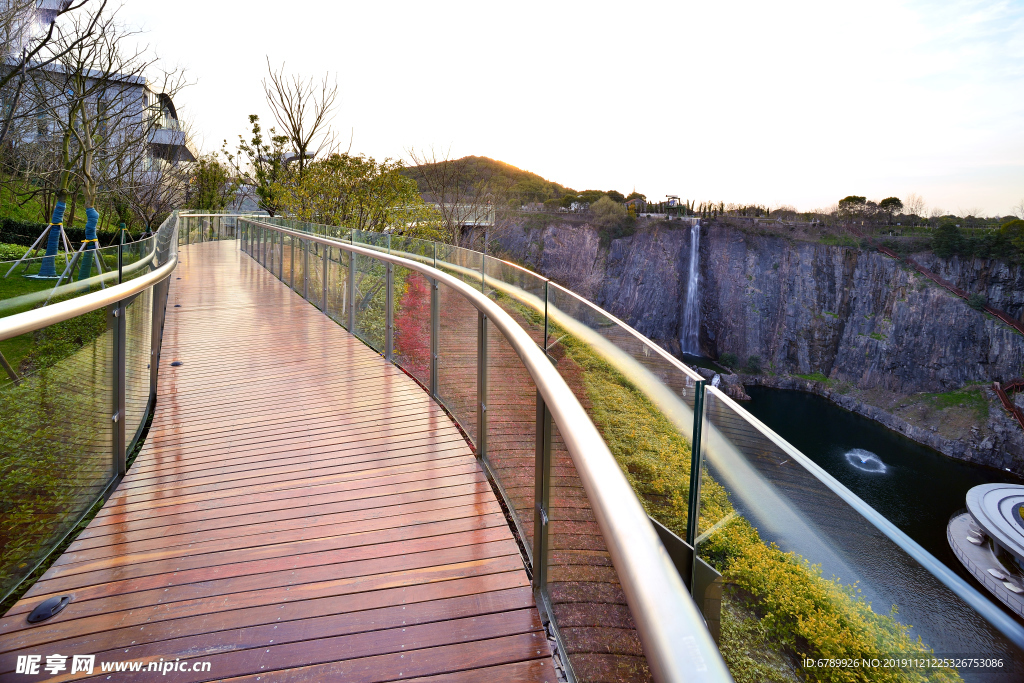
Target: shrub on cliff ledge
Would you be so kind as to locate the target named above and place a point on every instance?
(612, 220)
(948, 240)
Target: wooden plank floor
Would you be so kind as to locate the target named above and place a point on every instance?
(301, 511)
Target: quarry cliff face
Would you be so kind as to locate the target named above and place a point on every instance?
(802, 308)
(859, 318)
(852, 315)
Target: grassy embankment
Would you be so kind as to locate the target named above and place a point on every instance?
(779, 608)
(952, 413)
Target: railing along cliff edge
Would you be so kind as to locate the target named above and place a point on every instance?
(675, 641)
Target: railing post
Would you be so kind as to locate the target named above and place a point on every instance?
(696, 463)
(389, 315)
(352, 292)
(545, 317)
(118, 312)
(291, 267)
(542, 496)
(481, 385)
(323, 277)
(280, 260)
(120, 256)
(435, 334)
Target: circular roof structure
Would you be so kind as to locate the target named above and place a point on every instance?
(997, 510)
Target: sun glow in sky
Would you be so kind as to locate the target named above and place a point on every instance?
(797, 103)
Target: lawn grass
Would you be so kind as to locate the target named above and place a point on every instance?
(815, 377)
(969, 398)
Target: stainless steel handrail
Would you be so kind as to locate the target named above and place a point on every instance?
(677, 645)
(37, 319)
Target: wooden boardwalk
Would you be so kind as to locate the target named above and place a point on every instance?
(301, 511)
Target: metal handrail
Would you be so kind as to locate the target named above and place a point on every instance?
(37, 319)
(76, 285)
(677, 645)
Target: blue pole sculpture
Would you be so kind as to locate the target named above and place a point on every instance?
(92, 217)
(48, 268)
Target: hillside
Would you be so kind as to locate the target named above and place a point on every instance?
(472, 171)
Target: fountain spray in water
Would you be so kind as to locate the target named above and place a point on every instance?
(690, 337)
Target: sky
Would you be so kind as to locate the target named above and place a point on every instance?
(783, 103)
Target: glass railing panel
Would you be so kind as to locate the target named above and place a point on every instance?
(21, 288)
(288, 262)
(183, 225)
(519, 292)
(314, 260)
(583, 590)
(832, 582)
(269, 249)
(412, 323)
(628, 389)
(138, 334)
(511, 402)
(137, 258)
(414, 249)
(457, 362)
(56, 455)
(370, 301)
(285, 267)
(338, 285)
(373, 240)
(273, 261)
(279, 256)
(412, 307)
(85, 271)
(464, 264)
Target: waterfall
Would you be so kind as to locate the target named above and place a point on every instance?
(689, 340)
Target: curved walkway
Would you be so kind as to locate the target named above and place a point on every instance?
(301, 511)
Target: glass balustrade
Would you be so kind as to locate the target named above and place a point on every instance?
(75, 395)
(788, 563)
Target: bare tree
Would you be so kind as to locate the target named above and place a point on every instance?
(152, 188)
(465, 194)
(102, 102)
(302, 109)
(1018, 210)
(915, 205)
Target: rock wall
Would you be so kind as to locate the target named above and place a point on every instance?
(852, 315)
(857, 317)
(802, 308)
(1000, 282)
